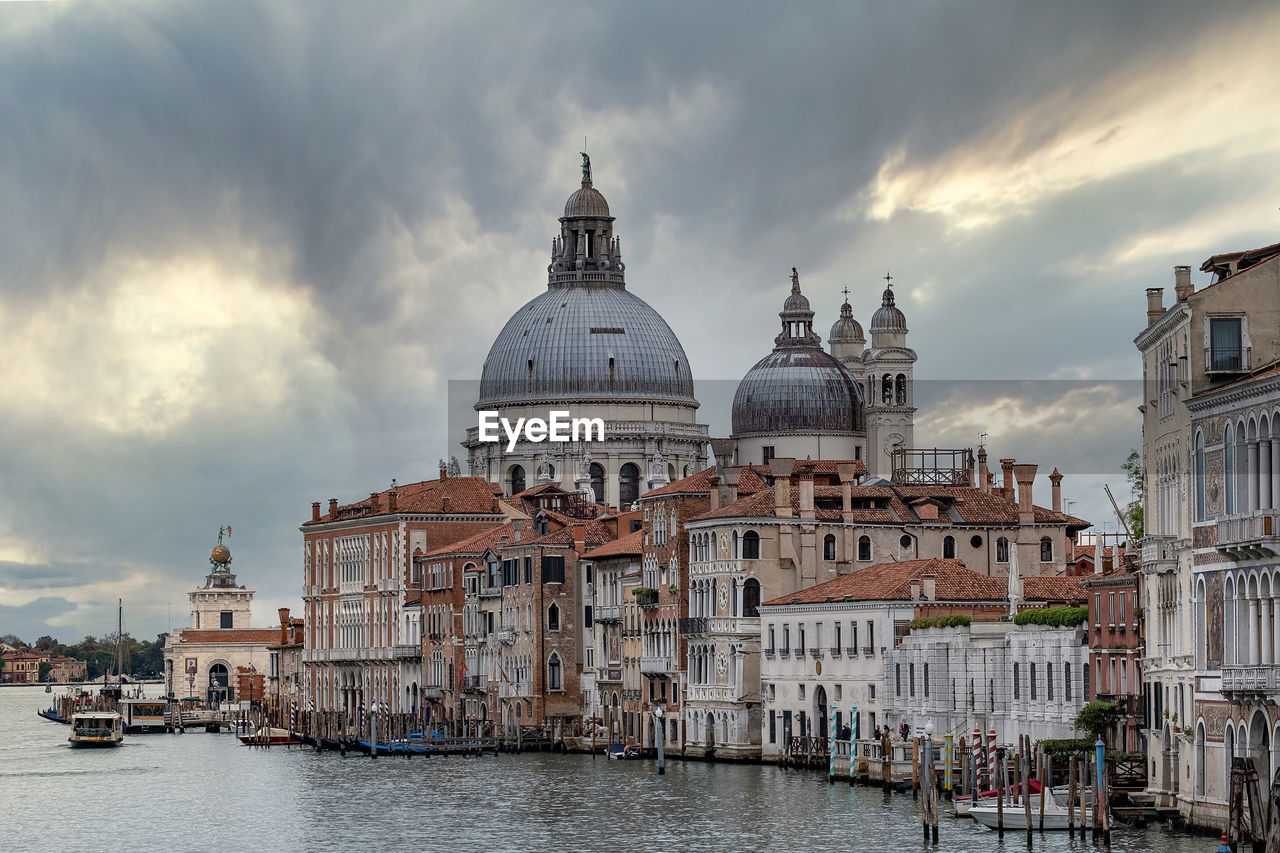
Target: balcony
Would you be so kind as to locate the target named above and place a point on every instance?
(815, 652)
(1250, 537)
(607, 613)
(713, 693)
(506, 637)
(471, 684)
(714, 567)
(646, 597)
(692, 626)
(433, 692)
(868, 651)
(1242, 681)
(852, 651)
(656, 665)
(1227, 359)
(406, 651)
(835, 651)
(1158, 555)
(745, 626)
(490, 592)
(769, 652)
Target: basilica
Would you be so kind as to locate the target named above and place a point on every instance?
(589, 346)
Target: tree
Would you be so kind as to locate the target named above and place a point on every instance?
(1133, 472)
(45, 669)
(1095, 717)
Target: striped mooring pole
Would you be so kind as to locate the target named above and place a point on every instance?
(948, 759)
(976, 746)
(991, 761)
(831, 750)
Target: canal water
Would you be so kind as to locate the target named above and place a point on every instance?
(200, 791)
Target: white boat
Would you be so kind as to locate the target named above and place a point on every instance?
(963, 807)
(96, 728)
(1015, 817)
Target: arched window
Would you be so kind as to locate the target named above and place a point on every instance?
(751, 597)
(864, 549)
(1229, 465)
(886, 389)
(751, 545)
(553, 618)
(517, 479)
(949, 547)
(1046, 549)
(901, 389)
(597, 482)
(555, 677)
(628, 485)
(1002, 550)
(829, 547)
(1200, 476)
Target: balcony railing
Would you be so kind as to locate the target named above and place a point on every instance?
(1250, 537)
(835, 651)
(1158, 555)
(656, 664)
(506, 637)
(692, 626)
(1259, 680)
(852, 651)
(745, 625)
(712, 693)
(471, 684)
(712, 567)
(1228, 359)
(607, 613)
(433, 692)
(815, 652)
(406, 651)
(868, 651)
(648, 598)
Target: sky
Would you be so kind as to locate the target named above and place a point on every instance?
(245, 247)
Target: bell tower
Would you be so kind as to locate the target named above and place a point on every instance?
(890, 385)
(220, 603)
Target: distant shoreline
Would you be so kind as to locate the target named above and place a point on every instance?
(75, 683)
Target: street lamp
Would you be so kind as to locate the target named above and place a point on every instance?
(661, 733)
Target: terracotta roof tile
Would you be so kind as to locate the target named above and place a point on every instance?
(1053, 588)
(892, 582)
(631, 544)
(264, 636)
(751, 481)
(478, 543)
(465, 495)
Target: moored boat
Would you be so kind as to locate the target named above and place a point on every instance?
(96, 728)
(1015, 817)
(269, 736)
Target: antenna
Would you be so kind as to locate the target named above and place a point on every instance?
(982, 439)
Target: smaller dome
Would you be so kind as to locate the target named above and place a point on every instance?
(847, 330)
(587, 201)
(796, 302)
(888, 317)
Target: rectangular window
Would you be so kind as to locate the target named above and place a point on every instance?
(767, 454)
(786, 724)
(836, 644)
(897, 679)
(871, 691)
(871, 636)
(804, 725)
(800, 647)
(786, 639)
(1111, 609)
(591, 574)
(1097, 610)
(770, 647)
(853, 636)
(926, 680)
(1226, 351)
(911, 679)
(591, 656)
(1033, 681)
(839, 693)
(773, 726)
(528, 569)
(227, 619)
(1017, 693)
(587, 614)
(1048, 680)
(552, 569)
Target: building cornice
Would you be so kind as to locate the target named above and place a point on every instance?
(397, 518)
(1221, 400)
(1174, 317)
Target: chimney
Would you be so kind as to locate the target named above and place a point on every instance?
(284, 625)
(805, 484)
(393, 500)
(579, 538)
(714, 485)
(1056, 479)
(847, 472)
(333, 506)
(781, 470)
(315, 510)
(984, 479)
(729, 489)
(1182, 285)
(1155, 304)
(1026, 477)
(444, 470)
(517, 525)
(373, 502)
(972, 479)
(915, 589)
(930, 589)
(1006, 466)
(725, 450)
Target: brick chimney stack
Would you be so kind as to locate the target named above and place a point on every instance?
(517, 527)
(930, 587)
(444, 470)
(579, 537)
(1155, 304)
(781, 470)
(393, 499)
(284, 625)
(1182, 285)
(984, 479)
(1026, 477)
(1006, 466)
(333, 506)
(315, 510)
(373, 503)
(1056, 479)
(805, 484)
(847, 472)
(915, 589)
(714, 485)
(729, 489)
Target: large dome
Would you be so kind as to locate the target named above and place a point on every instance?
(797, 390)
(586, 342)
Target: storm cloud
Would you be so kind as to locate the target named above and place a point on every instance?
(245, 247)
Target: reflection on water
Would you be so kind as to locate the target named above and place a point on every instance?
(198, 791)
